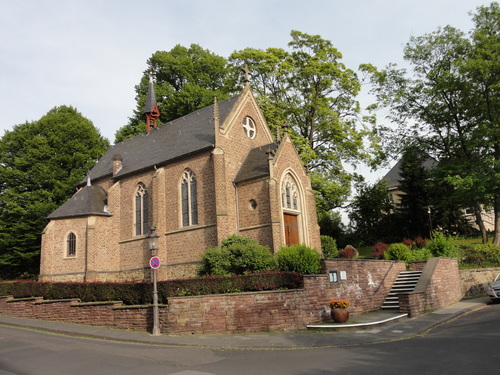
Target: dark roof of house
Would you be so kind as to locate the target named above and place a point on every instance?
(394, 175)
(181, 137)
(256, 163)
(90, 200)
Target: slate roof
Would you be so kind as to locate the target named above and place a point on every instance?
(256, 163)
(394, 175)
(90, 200)
(175, 139)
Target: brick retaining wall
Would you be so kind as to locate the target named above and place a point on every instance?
(365, 285)
(438, 287)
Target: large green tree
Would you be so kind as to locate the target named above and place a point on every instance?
(186, 79)
(372, 214)
(41, 164)
(416, 197)
(309, 91)
(450, 104)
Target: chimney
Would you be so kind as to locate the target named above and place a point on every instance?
(117, 163)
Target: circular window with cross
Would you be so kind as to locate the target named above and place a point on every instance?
(249, 127)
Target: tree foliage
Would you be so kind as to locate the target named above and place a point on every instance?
(186, 79)
(449, 104)
(312, 93)
(41, 163)
(371, 213)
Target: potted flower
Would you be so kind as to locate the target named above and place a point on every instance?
(338, 310)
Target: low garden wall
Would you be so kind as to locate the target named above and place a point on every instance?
(364, 283)
(475, 281)
(438, 287)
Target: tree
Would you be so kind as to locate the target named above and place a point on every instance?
(309, 91)
(450, 106)
(372, 214)
(414, 183)
(187, 79)
(42, 163)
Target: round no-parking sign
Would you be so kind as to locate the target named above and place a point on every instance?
(155, 262)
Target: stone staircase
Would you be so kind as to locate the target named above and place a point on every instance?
(406, 282)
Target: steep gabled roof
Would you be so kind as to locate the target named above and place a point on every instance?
(184, 136)
(256, 164)
(394, 175)
(88, 201)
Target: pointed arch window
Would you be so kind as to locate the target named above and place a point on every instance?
(289, 194)
(141, 211)
(71, 245)
(189, 200)
(293, 225)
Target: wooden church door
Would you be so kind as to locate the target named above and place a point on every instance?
(291, 229)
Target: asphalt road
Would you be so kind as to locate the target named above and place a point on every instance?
(466, 345)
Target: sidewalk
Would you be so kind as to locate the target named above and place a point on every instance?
(364, 329)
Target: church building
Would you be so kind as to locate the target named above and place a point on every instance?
(198, 179)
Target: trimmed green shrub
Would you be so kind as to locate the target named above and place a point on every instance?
(299, 258)
(398, 251)
(442, 246)
(421, 254)
(236, 255)
(329, 247)
(215, 262)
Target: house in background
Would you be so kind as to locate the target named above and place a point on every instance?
(198, 179)
(393, 178)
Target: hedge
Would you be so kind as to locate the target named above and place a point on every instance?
(141, 292)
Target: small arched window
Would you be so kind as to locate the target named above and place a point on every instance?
(71, 245)
(141, 211)
(189, 201)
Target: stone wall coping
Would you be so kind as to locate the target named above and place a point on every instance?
(47, 301)
(363, 260)
(24, 299)
(426, 275)
(245, 293)
(97, 303)
(138, 307)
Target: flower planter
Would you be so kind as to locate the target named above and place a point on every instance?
(340, 315)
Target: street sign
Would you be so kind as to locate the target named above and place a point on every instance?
(155, 262)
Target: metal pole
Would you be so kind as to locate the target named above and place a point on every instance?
(156, 319)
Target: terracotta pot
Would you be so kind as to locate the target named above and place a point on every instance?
(340, 315)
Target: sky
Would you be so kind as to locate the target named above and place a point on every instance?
(91, 53)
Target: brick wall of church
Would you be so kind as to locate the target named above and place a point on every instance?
(55, 260)
(236, 146)
(254, 211)
(287, 160)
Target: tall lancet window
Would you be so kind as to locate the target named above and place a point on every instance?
(141, 211)
(289, 194)
(291, 206)
(189, 200)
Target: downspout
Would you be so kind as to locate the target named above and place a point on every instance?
(86, 252)
(237, 209)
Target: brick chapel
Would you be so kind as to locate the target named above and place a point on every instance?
(198, 179)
